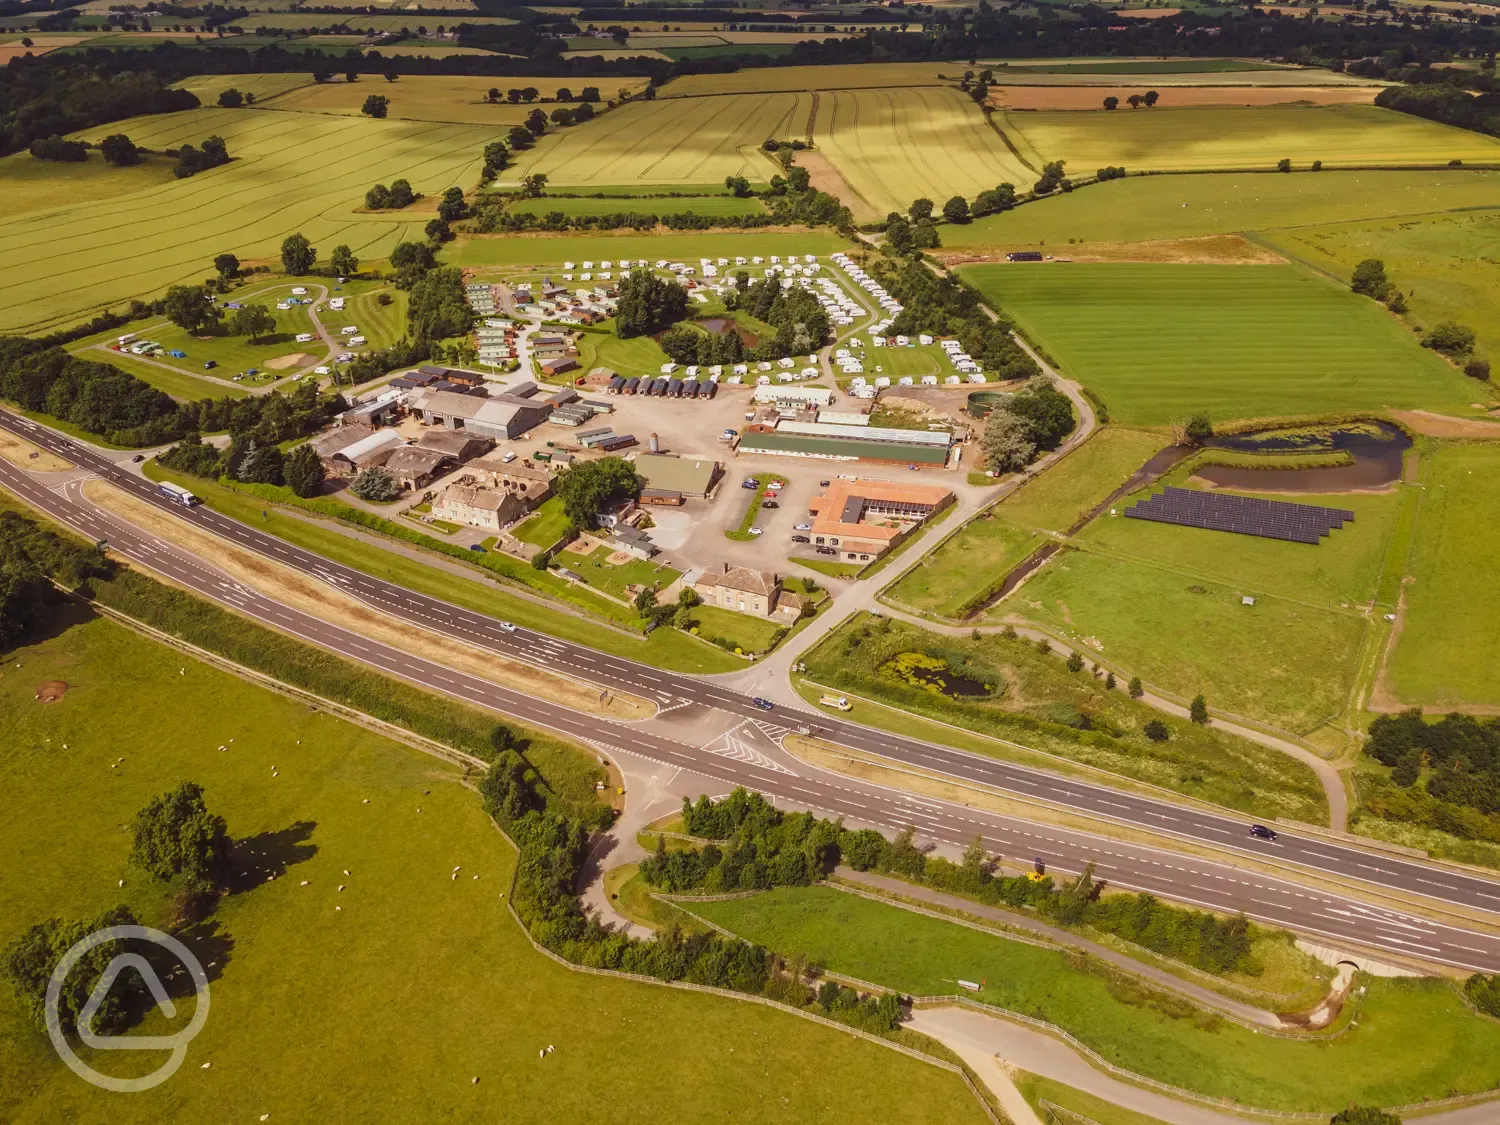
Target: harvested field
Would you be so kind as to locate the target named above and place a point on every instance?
(1156, 78)
(290, 172)
(22, 454)
(314, 597)
(893, 146)
(1209, 137)
(825, 177)
(1443, 426)
(794, 78)
(668, 142)
(1092, 97)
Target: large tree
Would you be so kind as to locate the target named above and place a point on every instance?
(343, 262)
(592, 487)
(297, 254)
(252, 321)
(190, 308)
(303, 471)
(119, 150)
(648, 303)
(175, 837)
(1006, 442)
(31, 959)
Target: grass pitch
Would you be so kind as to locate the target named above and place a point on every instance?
(668, 141)
(1203, 138)
(1448, 646)
(1159, 342)
(1168, 207)
(289, 173)
(418, 984)
(895, 145)
(1414, 1039)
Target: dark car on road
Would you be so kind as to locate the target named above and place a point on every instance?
(1261, 832)
(763, 704)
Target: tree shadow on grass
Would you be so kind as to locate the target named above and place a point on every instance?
(259, 859)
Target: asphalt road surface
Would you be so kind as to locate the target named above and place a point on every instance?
(753, 757)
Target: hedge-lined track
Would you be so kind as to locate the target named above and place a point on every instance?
(291, 172)
(896, 145)
(700, 140)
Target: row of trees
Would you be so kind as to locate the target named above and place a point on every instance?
(250, 461)
(1452, 339)
(190, 161)
(1135, 101)
(758, 846)
(32, 559)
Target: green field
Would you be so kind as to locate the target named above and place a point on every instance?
(1448, 266)
(506, 250)
(751, 634)
(1036, 702)
(1159, 342)
(893, 146)
(715, 205)
(1164, 207)
(1449, 643)
(1197, 138)
(615, 579)
(668, 141)
(180, 385)
(1164, 602)
(290, 173)
(1413, 1039)
(417, 984)
(948, 581)
(208, 87)
(29, 184)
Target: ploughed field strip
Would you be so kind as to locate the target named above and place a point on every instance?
(1244, 515)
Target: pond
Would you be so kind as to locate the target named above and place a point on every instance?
(932, 673)
(1376, 447)
(723, 325)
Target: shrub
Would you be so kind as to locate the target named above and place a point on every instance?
(1156, 731)
(375, 485)
(56, 148)
(1450, 338)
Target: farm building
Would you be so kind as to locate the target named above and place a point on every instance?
(460, 446)
(477, 507)
(848, 443)
(376, 412)
(367, 452)
(505, 416)
(452, 375)
(559, 365)
(865, 519)
(754, 592)
(416, 467)
(662, 496)
(689, 476)
(634, 542)
(339, 439)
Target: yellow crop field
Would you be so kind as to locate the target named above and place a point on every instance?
(893, 146)
(1208, 137)
(852, 77)
(429, 97)
(701, 140)
(208, 87)
(290, 172)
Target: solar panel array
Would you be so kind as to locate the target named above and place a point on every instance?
(1246, 515)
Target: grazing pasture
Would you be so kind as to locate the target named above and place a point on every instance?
(668, 141)
(544, 250)
(290, 172)
(1168, 207)
(324, 805)
(429, 97)
(1448, 266)
(1448, 641)
(1160, 342)
(893, 146)
(1211, 137)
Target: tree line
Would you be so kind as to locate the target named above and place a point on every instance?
(757, 846)
(34, 561)
(1444, 774)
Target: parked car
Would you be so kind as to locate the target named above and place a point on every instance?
(769, 504)
(476, 547)
(778, 484)
(827, 551)
(822, 484)
(210, 364)
(138, 458)
(801, 539)
(1261, 832)
(757, 531)
(838, 702)
(804, 527)
(771, 494)
(750, 482)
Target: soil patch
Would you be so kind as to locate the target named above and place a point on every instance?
(314, 597)
(1214, 249)
(825, 177)
(282, 362)
(50, 691)
(1442, 426)
(1092, 97)
(23, 455)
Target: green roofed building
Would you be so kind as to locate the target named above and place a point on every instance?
(848, 443)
